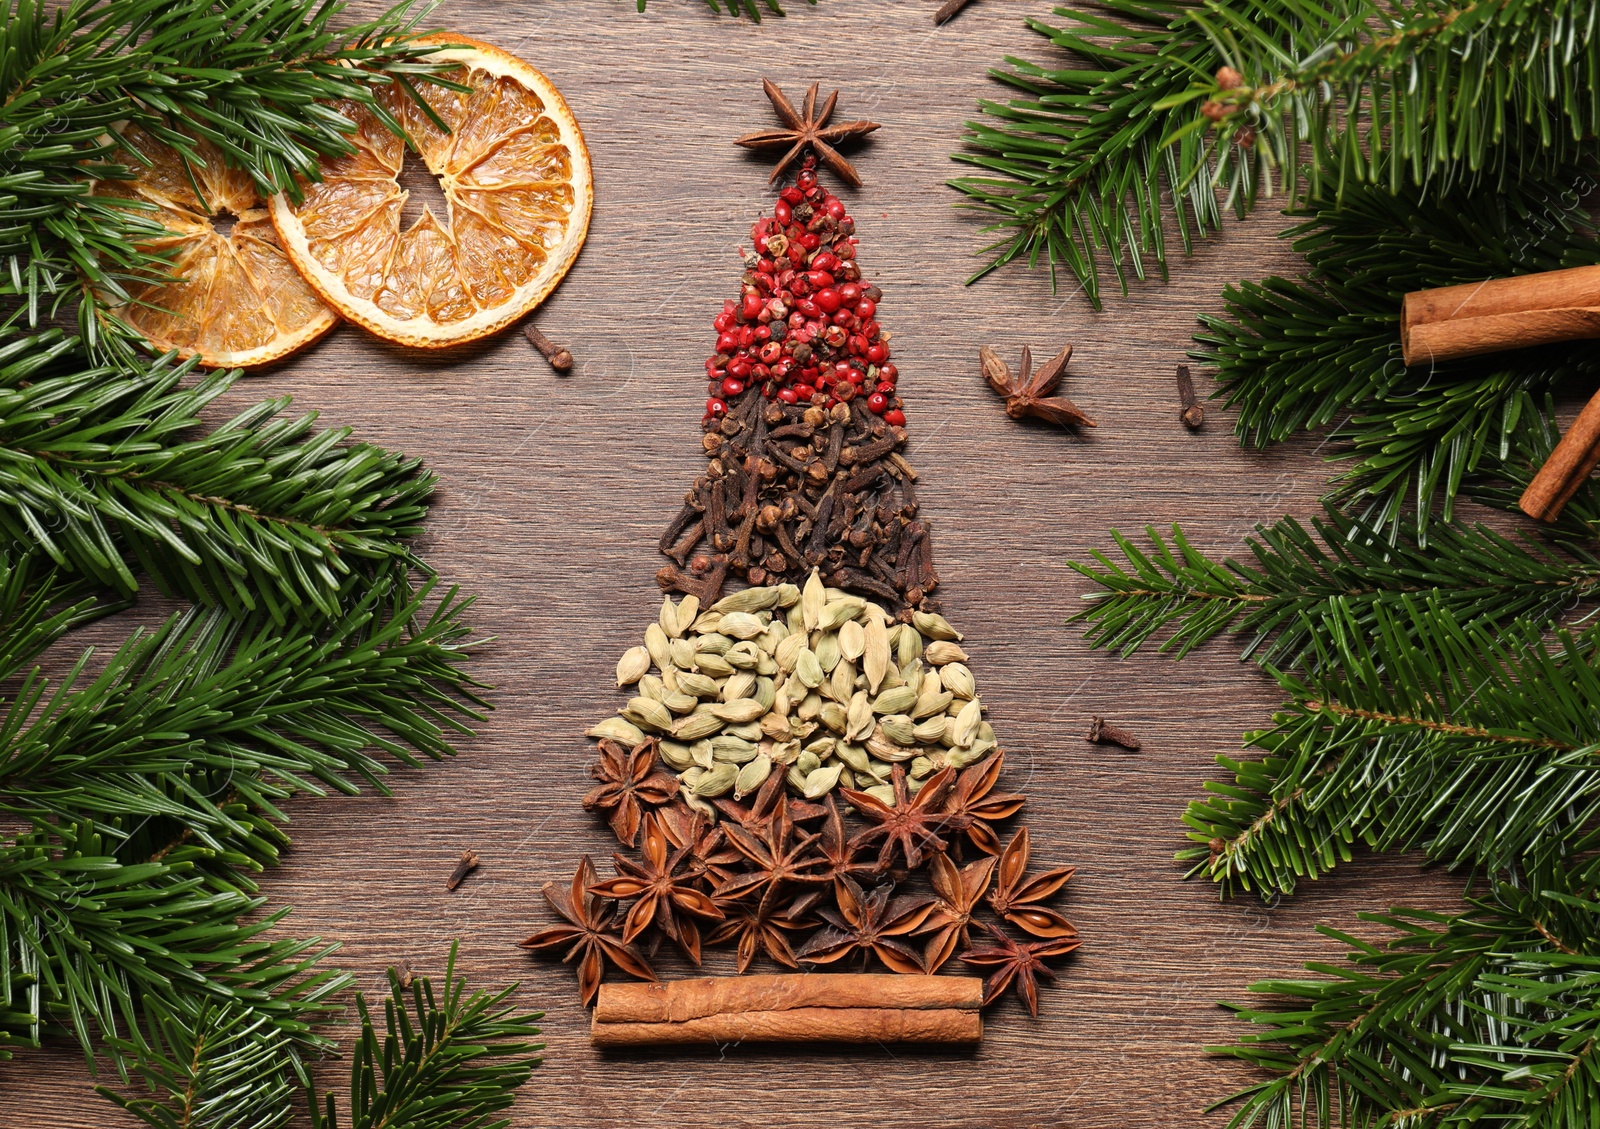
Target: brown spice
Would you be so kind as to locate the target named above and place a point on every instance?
(948, 10)
(1028, 393)
(1102, 732)
(1193, 414)
(557, 355)
(468, 863)
(805, 129)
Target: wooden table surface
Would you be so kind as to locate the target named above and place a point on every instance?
(554, 490)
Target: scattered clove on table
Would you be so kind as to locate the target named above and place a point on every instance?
(469, 863)
(1102, 732)
(558, 356)
(1193, 414)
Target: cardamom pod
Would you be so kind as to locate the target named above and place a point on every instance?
(634, 664)
(886, 750)
(825, 645)
(688, 612)
(788, 595)
(881, 792)
(858, 717)
(965, 729)
(732, 750)
(696, 726)
(742, 709)
(701, 752)
(898, 700)
(807, 763)
(929, 705)
(648, 714)
(705, 623)
(617, 729)
(669, 619)
(739, 685)
(775, 726)
(908, 646)
(935, 626)
(788, 651)
(751, 777)
(655, 641)
(838, 612)
(930, 731)
(854, 756)
(717, 781)
(843, 680)
(676, 755)
(807, 669)
(714, 665)
(813, 598)
(700, 685)
(652, 687)
(943, 651)
(833, 717)
(681, 652)
(741, 625)
(750, 600)
(852, 640)
(875, 662)
(957, 679)
(680, 703)
(765, 693)
(819, 782)
(899, 729)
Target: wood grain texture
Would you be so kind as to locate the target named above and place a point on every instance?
(554, 491)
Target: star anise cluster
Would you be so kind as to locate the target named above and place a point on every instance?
(908, 885)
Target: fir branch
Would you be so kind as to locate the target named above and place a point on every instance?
(1075, 169)
(40, 604)
(108, 473)
(1477, 744)
(449, 1063)
(1398, 94)
(1304, 584)
(1485, 1017)
(1298, 355)
(201, 728)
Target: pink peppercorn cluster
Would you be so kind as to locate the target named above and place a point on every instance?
(804, 328)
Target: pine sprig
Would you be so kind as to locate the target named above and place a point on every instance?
(1474, 744)
(446, 1063)
(1303, 584)
(1076, 168)
(106, 472)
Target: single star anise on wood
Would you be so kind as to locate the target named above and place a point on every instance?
(869, 923)
(958, 893)
(974, 804)
(910, 825)
(762, 925)
(710, 856)
(1020, 962)
(807, 129)
(591, 935)
(1028, 394)
(629, 781)
(1016, 897)
(666, 891)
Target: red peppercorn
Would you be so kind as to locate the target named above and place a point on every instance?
(806, 181)
(889, 373)
(851, 293)
(834, 207)
(878, 353)
(782, 212)
(844, 250)
(788, 395)
(760, 333)
(716, 408)
(819, 279)
(857, 345)
(739, 368)
(894, 417)
(792, 195)
(866, 308)
(760, 372)
(770, 352)
(877, 403)
(804, 391)
(723, 322)
(751, 308)
(810, 240)
(732, 387)
(870, 330)
(727, 343)
(855, 376)
(828, 300)
(885, 387)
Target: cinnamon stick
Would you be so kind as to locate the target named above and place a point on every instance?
(676, 1001)
(1567, 468)
(791, 1008)
(1503, 313)
(802, 1025)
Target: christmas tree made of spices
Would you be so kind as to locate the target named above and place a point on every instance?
(804, 771)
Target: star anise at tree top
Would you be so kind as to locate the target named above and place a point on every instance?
(628, 782)
(1028, 394)
(807, 129)
(591, 933)
(1021, 962)
(665, 888)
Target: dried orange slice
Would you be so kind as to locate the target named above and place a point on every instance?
(233, 300)
(518, 192)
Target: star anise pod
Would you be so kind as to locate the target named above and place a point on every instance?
(762, 925)
(869, 922)
(628, 782)
(807, 129)
(591, 933)
(1028, 394)
(835, 852)
(958, 893)
(777, 856)
(974, 804)
(710, 856)
(1021, 962)
(771, 803)
(910, 825)
(666, 891)
(1016, 897)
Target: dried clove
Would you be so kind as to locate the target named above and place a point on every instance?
(468, 863)
(559, 358)
(1193, 413)
(1102, 732)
